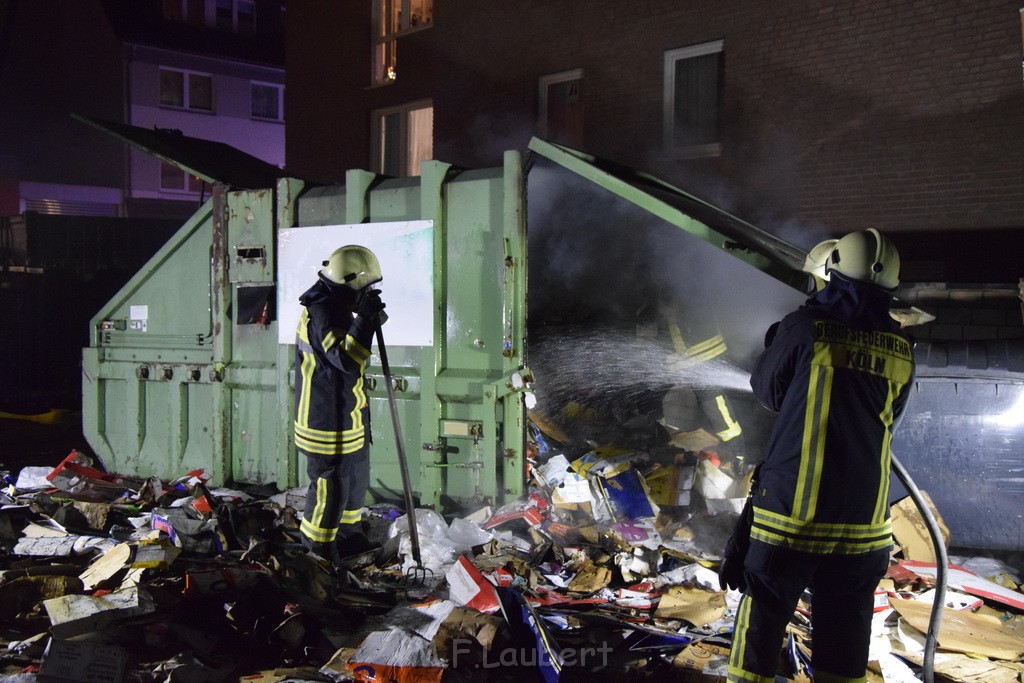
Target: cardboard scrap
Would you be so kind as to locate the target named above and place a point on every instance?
(670, 484)
(83, 662)
(590, 578)
(698, 657)
(108, 565)
(966, 580)
(695, 605)
(72, 615)
(695, 441)
(45, 546)
(964, 631)
(965, 669)
(910, 531)
(467, 586)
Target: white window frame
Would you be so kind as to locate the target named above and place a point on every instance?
(383, 47)
(185, 104)
(186, 181)
(234, 14)
(376, 160)
(280, 101)
(672, 57)
(542, 95)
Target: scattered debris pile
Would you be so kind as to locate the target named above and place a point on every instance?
(606, 568)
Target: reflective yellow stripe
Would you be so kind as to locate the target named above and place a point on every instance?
(355, 350)
(303, 322)
(812, 451)
(356, 416)
(793, 525)
(328, 448)
(702, 351)
(732, 427)
(351, 516)
(312, 528)
(819, 537)
(736, 672)
(306, 369)
(332, 435)
(329, 340)
(316, 534)
(886, 416)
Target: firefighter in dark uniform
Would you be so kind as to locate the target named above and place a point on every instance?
(332, 420)
(838, 372)
(698, 345)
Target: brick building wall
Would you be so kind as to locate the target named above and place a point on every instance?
(838, 116)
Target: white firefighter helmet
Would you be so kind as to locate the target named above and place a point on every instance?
(353, 266)
(866, 256)
(814, 264)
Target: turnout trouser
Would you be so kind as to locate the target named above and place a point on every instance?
(334, 500)
(842, 605)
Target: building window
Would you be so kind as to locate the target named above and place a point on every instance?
(238, 16)
(693, 96)
(560, 100)
(174, 179)
(402, 138)
(391, 19)
(186, 90)
(267, 101)
(191, 12)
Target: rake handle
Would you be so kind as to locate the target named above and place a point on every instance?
(400, 445)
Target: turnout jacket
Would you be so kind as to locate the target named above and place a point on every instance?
(331, 351)
(838, 372)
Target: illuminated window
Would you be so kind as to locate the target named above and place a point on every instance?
(392, 18)
(402, 138)
(186, 89)
(267, 101)
(561, 108)
(693, 99)
(174, 179)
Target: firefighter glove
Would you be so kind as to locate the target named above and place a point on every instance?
(730, 572)
(370, 305)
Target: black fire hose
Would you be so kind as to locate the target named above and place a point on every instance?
(941, 562)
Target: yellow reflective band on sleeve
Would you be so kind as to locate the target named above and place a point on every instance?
(355, 350)
(699, 352)
(330, 340)
(303, 322)
(732, 427)
(351, 516)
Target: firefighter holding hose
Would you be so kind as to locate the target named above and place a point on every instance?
(340, 313)
(838, 372)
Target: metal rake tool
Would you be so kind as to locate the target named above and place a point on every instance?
(418, 575)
